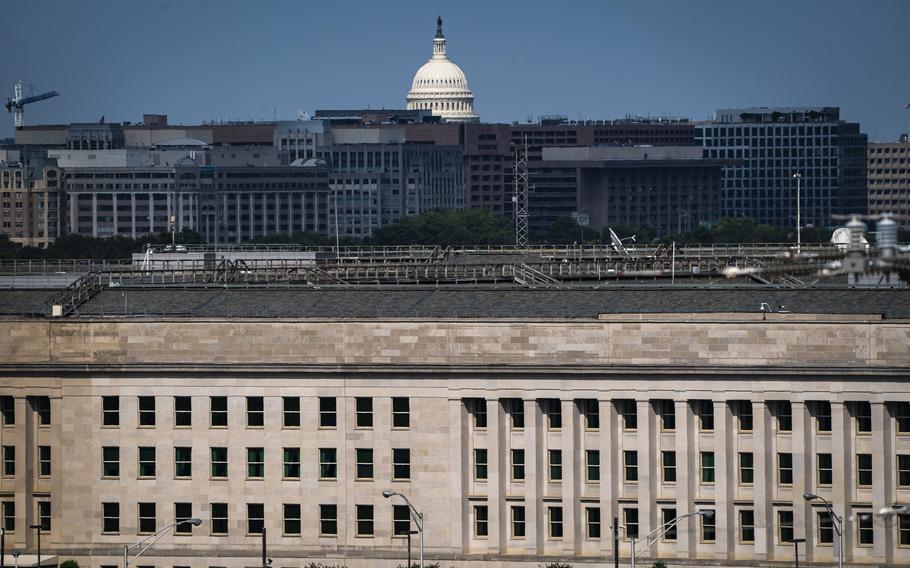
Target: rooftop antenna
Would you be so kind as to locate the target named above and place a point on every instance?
(617, 242)
(520, 195)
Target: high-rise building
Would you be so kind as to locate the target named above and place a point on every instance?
(889, 180)
(31, 201)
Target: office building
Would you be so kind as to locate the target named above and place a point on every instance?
(31, 200)
(889, 180)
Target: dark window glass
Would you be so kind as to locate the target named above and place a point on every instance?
(110, 406)
(255, 518)
(364, 412)
(401, 412)
(146, 411)
(219, 518)
(255, 411)
(327, 412)
(183, 512)
(183, 411)
(219, 413)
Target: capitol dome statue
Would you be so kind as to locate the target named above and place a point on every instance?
(440, 86)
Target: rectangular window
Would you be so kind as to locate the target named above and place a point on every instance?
(518, 521)
(219, 518)
(364, 520)
(590, 410)
(9, 515)
(401, 412)
(477, 408)
(110, 461)
(554, 516)
(42, 406)
(219, 411)
(708, 526)
(668, 460)
(401, 520)
(255, 518)
(704, 410)
(44, 515)
(183, 462)
(183, 411)
(747, 525)
(363, 463)
(666, 410)
(743, 411)
(328, 520)
(552, 410)
(862, 411)
(746, 468)
(630, 520)
(111, 518)
(110, 411)
(183, 512)
(291, 463)
(44, 461)
(481, 521)
(146, 411)
(8, 410)
(147, 461)
(785, 468)
(480, 463)
(518, 465)
(401, 463)
(516, 409)
(255, 412)
(291, 518)
(592, 522)
(865, 532)
(219, 462)
(902, 415)
(903, 530)
(290, 406)
(666, 516)
(825, 528)
(783, 413)
(592, 471)
(364, 411)
(784, 527)
(628, 410)
(555, 464)
(148, 518)
(825, 469)
(255, 462)
(864, 470)
(707, 467)
(328, 463)
(822, 411)
(328, 417)
(630, 465)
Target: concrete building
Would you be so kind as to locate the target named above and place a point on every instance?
(889, 180)
(31, 201)
(772, 144)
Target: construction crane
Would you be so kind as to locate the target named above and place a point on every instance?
(16, 104)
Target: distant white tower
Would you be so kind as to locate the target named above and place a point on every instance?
(440, 86)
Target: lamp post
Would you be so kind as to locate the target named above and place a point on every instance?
(418, 517)
(154, 538)
(798, 177)
(655, 535)
(796, 542)
(2, 547)
(836, 523)
(894, 511)
(38, 527)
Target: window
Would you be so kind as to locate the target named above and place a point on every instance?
(822, 411)
(903, 529)
(783, 412)
(148, 519)
(110, 410)
(630, 465)
(291, 463)
(707, 467)
(592, 471)
(44, 515)
(666, 410)
(219, 411)
(481, 521)
(864, 470)
(255, 518)
(255, 412)
(291, 518)
(183, 411)
(518, 521)
(110, 461)
(518, 465)
(219, 462)
(591, 413)
(401, 412)
(110, 518)
(219, 518)
(480, 463)
(477, 407)
(183, 512)
(553, 412)
(291, 411)
(363, 463)
(629, 412)
(328, 463)
(630, 520)
(9, 516)
(364, 520)
(401, 520)
(743, 411)
(255, 462)
(825, 470)
(183, 462)
(863, 413)
(668, 459)
(555, 462)
(704, 410)
(328, 417)
(784, 526)
(401, 463)
(825, 528)
(328, 520)
(747, 525)
(902, 414)
(146, 461)
(516, 409)
(592, 522)
(146, 411)
(785, 468)
(746, 468)
(554, 515)
(865, 532)
(364, 408)
(44, 461)
(7, 410)
(708, 526)
(666, 516)
(42, 405)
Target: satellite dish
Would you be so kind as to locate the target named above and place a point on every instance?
(841, 238)
(617, 243)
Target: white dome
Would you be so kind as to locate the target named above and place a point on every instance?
(441, 86)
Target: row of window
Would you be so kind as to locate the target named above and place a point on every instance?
(8, 513)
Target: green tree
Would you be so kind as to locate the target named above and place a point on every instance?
(69, 564)
(446, 227)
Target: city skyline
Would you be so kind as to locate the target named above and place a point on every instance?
(658, 58)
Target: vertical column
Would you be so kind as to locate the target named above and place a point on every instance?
(723, 481)
(133, 215)
(803, 515)
(646, 508)
(496, 473)
(686, 474)
(883, 482)
(291, 196)
(151, 197)
(842, 452)
(170, 210)
(608, 468)
(179, 197)
(95, 215)
(116, 216)
(74, 216)
(460, 464)
(264, 202)
(570, 451)
(239, 230)
(763, 480)
(535, 475)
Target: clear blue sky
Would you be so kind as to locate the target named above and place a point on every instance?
(200, 60)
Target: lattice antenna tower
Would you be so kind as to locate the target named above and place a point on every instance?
(520, 195)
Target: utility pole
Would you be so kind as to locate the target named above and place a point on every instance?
(616, 542)
(264, 561)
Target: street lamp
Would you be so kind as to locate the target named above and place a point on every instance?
(836, 523)
(796, 542)
(894, 511)
(154, 538)
(655, 535)
(798, 177)
(38, 527)
(418, 517)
